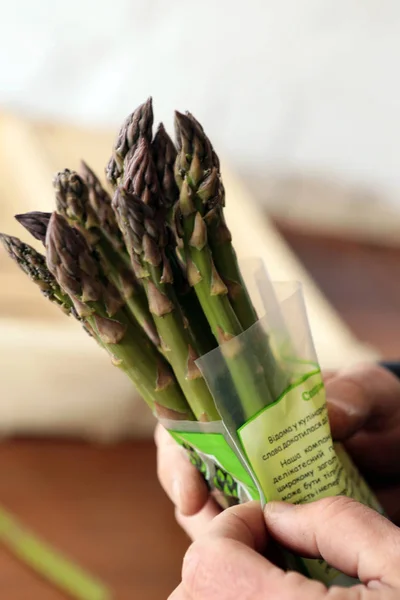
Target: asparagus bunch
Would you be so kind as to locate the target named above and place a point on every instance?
(149, 268)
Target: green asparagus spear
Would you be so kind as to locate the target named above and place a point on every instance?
(75, 268)
(204, 177)
(212, 193)
(187, 298)
(164, 155)
(193, 165)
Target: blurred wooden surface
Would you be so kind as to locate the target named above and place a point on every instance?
(103, 505)
(361, 281)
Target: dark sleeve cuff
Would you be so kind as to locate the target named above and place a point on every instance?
(392, 366)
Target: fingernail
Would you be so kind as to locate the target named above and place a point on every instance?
(337, 402)
(340, 403)
(276, 507)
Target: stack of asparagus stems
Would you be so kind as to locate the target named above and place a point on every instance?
(149, 269)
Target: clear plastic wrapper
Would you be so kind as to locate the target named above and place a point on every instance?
(273, 441)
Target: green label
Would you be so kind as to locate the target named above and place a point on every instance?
(289, 447)
(219, 464)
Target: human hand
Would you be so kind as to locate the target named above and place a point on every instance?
(364, 413)
(227, 561)
(194, 507)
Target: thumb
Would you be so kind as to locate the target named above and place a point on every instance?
(349, 536)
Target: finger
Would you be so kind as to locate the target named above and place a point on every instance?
(244, 524)
(348, 535)
(224, 563)
(359, 395)
(364, 411)
(349, 400)
(179, 478)
(196, 525)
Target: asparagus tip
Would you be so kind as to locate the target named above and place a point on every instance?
(71, 194)
(161, 131)
(86, 171)
(7, 241)
(35, 222)
(139, 124)
(70, 260)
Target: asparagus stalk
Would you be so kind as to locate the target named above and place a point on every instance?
(212, 194)
(136, 126)
(164, 155)
(203, 175)
(75, 268)
(194, 163)
(73, 202)
(187, 298)
(144, 238)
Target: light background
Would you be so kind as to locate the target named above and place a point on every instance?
(290, 91)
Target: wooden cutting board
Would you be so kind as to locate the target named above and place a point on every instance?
(52, 378)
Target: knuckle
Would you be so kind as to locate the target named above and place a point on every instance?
(310, 589)
(334, 506)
